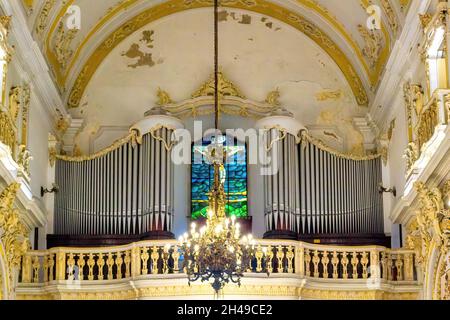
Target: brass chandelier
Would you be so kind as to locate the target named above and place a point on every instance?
(216, 252)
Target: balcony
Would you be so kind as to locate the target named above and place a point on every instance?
(280, 269)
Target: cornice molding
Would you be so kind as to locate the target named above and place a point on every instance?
(9, 174)
(398, 65)
(435, 172)
(31, 60)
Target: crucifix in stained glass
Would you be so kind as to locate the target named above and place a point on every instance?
(233, 176)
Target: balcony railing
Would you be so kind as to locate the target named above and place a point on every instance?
(147, 258)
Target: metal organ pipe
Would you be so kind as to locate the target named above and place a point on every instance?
(317, 192)
(128, 190)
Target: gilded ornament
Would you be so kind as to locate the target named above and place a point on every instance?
(425, 19)
(62, 44)
(391, 16)
(43, 17)
(411, 155)
(14, 103)
(329, 95)
(373, 44)
(14, 234)
(225, 88)
(304, 138)
(133, 137)
(23, 159)
(272, 98)
(163, 98)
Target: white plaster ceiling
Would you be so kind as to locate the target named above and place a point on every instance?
(257, 59)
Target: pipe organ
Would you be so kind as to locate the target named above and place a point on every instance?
(126, 189)
(125, 193)
(320, 195)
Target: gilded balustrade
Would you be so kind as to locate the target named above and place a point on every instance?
(424, 119)
(151, 258)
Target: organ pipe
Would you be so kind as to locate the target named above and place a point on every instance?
(319, 192)
(128, 190)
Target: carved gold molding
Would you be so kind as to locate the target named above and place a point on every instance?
(287, 291)
(232, 101)
(42, 19)
(13, 233)
(428, 233)
(224, 87)
(134, 137)
(259, 6)
(306, 138)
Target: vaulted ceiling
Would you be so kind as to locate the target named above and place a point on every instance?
(317, 52)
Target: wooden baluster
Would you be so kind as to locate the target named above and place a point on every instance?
(269, 258)
(110, 264)
(409, 267)
(307, 263)
(335, 263)
(81, 263)
(354, 261)
(70, 267)
(61, 266)
(135, 262)
(100, 265)
(325, 261)
(344, 262)
(51, 265)
(375, 265)
(119, 263)
(290, 257)
(280, 256)
(26, 269)
(384, 265)
(144, 260)
(36, 266)
(91, 264)
(165, 257)
(176, 260)
(364, 262)
(316, 261)
(259, 255)
(45, 269)
(127, 261)
(154, 256)
(399, 266)
(299, 260)
(389, 267)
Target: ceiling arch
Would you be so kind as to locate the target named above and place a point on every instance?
(259, 6)
(335, 27)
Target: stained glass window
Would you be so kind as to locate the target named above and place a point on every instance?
(202, 178)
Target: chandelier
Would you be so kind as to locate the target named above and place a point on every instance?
(216, 252)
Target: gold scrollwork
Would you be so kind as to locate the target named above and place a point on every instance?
(14, 235)
(167, 145)
(428, 233)
(304, 138)
(281, 135)
(134, 137)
